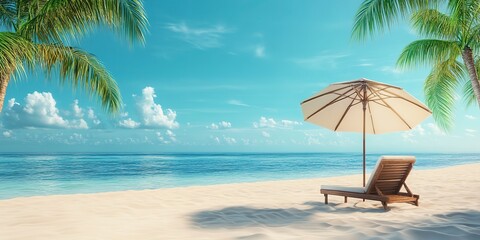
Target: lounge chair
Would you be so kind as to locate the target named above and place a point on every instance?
(384, 183)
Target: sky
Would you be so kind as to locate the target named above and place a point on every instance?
(226, 76)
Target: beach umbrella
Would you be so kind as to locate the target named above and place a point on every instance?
(364, 106)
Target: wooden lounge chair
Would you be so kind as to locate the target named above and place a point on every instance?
(384, 183)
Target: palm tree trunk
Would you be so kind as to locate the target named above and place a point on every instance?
(467, 56)
(4, 79)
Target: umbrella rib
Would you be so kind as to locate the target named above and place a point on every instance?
(330, 103)
(371, 118)
(381, 104)
(393, 110)
(410, 101)
(345, 113)
(323, 94)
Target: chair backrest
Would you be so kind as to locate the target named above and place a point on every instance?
(389, 174)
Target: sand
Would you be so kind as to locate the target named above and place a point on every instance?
(449, 209)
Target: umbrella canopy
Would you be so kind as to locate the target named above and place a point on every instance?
(364, 106)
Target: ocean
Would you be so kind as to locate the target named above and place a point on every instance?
(23, 175)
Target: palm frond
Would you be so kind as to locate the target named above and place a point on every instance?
(459, 9)
(468, 94)
(427, 52)
(58, 20)
(81, 69)
(379, 15)
(431, 23)
(14, 52)
(7, 14)
(439, 89)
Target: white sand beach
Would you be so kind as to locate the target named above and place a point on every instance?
(449, 209)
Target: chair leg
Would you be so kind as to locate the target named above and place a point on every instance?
(385, 206)
(326, 198)
(345, 199)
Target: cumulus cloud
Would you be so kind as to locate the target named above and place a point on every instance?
(128, 123)
(7, 133)
(272, 123)
(40, 111)
(220, 125)
(152, 113)
(199, 37)
(91, 115)
(77, 110)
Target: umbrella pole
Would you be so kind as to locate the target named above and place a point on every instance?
(364, 110)
(364, 146)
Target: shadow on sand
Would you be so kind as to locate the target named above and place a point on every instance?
(240, 216)
(451, 225)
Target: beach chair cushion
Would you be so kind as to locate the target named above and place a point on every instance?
(343, 188)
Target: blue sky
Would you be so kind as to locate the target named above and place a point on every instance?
(223, 76)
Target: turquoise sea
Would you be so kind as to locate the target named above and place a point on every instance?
(46, 174)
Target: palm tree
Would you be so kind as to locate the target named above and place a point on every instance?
(450, 37)
(38, 34)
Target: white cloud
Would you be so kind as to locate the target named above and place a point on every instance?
(470, 132)
(237, 103)
(77, 110)
(128, 123)
(159, 136)
(152, 113)
(230, 140)
(322, 61)
(91, 115)
(40, 111)
(365, 64)
(390, 69)
(265, 134)
(435, 129)
(272, 123)
(201, 38)
(7, 133)
(265, 122)
(225, 124)
(289, 123)
(170, 133)
(410, 136)
(470, 117)
(259, 51)
(220, 125)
